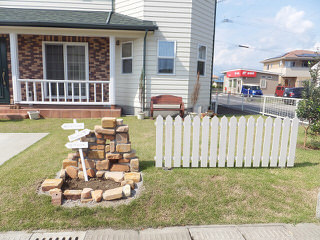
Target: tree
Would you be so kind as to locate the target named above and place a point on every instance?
(309, 108)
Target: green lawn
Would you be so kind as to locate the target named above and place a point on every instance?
(176, 197)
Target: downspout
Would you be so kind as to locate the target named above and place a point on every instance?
(112, 11)
(213, 40)
(144, 70)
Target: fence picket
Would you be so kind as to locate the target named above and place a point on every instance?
(186, 141)
(240, 141)
(293, 142)
(232, 141)
(205, 141)
(214, 141)
(284, 142)
(249, 142)
(168, 143)
(258, 143)
(223, 142)
(267, 142)
(275, 142)
(177, 141)
(159, 141)
(195, 142)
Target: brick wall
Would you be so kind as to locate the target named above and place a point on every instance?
(31, 59)
(6, 36)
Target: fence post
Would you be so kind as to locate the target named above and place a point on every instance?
(295, 111)
(228, 102)
(216, 104)
(242, 103)
(264, 105)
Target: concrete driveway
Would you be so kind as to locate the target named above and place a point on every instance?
(13, 143)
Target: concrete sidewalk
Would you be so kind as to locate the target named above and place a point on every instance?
(213, 232)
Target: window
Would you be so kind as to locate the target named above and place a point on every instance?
(290, 64)
(305, 63)
(166, 57)
(65, 61)
(126, 57)
(268, 67)
(263, 83)
(202, 56)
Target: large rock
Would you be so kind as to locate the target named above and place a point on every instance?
(126, 190)
(115, 176)
(100, 174)
(124, 160)
(103, 165)
(86, 193)
(123, 147)
(91, 173)
(129, 155)
(112, 146)
(88, 163)
(122, 129)
(72, 172)
(67, 162)
(130, 182)
(119, 122)
(119, 168)
(134, 176)
(56, 196)
(134, 165)
(72, 156)
(49, 184)
(122, 137)
(105, 131)
(113, 156)
(108, 122)
(113, 194)
(72, 194)
(96, 154)
(107, 148)
(97, 195)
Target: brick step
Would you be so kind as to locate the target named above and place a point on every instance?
(80, 113)
(22, 111)
(10, 116)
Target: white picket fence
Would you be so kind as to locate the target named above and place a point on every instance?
(233, 143)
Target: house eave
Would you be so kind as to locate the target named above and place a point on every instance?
(79, 26)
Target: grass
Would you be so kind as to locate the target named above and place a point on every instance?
(170, 198)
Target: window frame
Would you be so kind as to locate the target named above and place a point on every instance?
(174, 58)
(65, 64)
(126, 58)
(263, 80)
(201, 60)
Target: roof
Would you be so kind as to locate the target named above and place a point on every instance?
(296, 54)
(258, 71)
(72, 19)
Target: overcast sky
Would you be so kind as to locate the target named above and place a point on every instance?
(269, 27)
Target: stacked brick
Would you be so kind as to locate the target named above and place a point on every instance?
(109, 155)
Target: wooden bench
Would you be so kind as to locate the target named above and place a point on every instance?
(167, 103)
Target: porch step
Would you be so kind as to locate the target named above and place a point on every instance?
(13, 116)
(80, 113)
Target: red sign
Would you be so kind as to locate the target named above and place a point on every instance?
(241, 73)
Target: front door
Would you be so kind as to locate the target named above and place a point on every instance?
(4, 79)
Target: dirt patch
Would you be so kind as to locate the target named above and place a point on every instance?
(94, 183)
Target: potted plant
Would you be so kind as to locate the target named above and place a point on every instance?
(141, 113)
(194, 97)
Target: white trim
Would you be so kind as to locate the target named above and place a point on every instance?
(174, 58)
(126, 58)
(15, 67)
(202, 60)
(65, 61)
(112, 64)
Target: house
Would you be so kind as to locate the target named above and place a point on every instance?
(102, 53)
(293, 67)
(217, 81)
(234, 79)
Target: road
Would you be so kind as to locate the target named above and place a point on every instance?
(273, 106)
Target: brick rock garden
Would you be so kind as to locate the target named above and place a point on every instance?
(110, 163)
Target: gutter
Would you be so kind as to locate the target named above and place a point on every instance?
(213, 42)
(77, 25)
(144, 70)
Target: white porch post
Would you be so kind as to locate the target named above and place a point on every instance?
(112, 94)
(15, 67)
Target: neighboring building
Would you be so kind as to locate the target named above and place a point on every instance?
(234, 79)
(82, 52)
(217, 81)
(293, 67)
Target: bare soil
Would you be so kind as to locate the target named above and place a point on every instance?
(94, 183)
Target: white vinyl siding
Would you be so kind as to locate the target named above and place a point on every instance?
(133, 8)
(89, 5)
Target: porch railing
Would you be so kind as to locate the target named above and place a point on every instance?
(42, 91)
